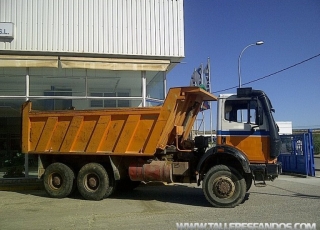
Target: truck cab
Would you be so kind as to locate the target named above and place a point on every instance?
(246, 124)
(248, 144)
(245, 121)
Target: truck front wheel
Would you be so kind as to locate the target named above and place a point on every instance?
(224, 186)
(58, 180)
(93, 181)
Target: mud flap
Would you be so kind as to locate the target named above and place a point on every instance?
(115, 170)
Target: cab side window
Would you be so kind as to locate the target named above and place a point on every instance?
(242, 111)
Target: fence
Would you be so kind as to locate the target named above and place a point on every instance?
(297, 154)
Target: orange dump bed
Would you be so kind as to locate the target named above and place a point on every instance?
(119, 131)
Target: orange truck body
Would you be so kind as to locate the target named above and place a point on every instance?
(120, 131)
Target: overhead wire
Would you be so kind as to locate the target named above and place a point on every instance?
(269, 75)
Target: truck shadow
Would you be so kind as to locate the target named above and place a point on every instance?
(165, 193)
(177, 194)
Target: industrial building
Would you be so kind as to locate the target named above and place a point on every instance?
(82, 54)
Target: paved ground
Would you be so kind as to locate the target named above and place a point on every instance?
(286, 200)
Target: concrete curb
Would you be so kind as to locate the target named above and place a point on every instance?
(294, 174)
(19, 184)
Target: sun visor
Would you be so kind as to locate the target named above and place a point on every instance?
(114, 64)
(28, 61)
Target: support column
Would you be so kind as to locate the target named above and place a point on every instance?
(26, 156)
(86, 83)
(144, 88)
(165, 84)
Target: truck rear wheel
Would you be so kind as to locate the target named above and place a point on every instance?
(58, 180)
(112, 184)
(93, 182)
(224, 186)
(248, 178)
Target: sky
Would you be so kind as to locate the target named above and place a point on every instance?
(290, 29)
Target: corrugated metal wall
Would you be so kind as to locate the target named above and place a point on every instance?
(120, 27)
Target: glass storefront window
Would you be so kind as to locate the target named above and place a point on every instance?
(13, 77)
(155, 85)
(107, 83)
(74, 87)
(56, 82)
(11, 159)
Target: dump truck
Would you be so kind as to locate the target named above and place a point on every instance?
(99, 151)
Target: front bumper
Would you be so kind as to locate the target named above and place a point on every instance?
(263, 172)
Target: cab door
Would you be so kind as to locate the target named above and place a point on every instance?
(243, 125)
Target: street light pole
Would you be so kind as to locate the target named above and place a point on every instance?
(239, 59)
(258, 43)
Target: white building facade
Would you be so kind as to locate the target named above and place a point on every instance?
(84, 54)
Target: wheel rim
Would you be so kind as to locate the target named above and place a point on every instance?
(91, 182)
(55, 181)
(223, 187)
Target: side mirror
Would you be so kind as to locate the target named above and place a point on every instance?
(259, 116)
